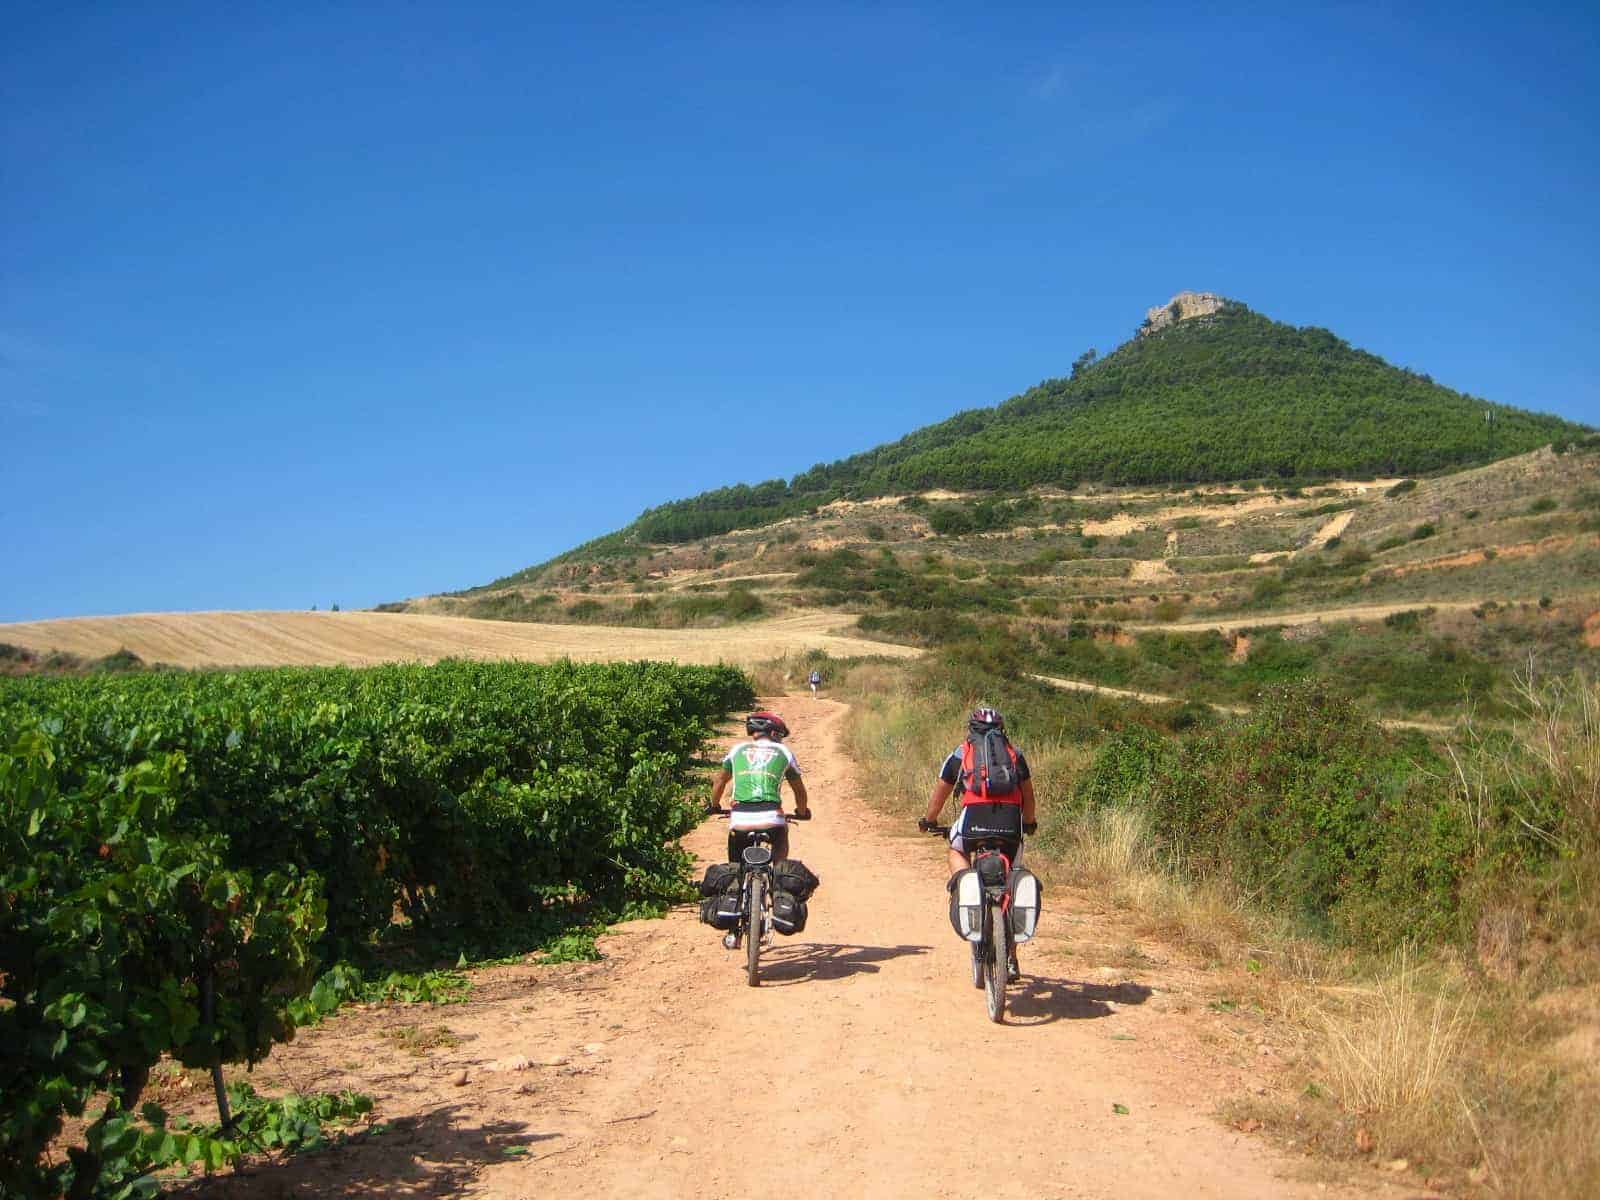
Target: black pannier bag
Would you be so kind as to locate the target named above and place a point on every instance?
(721, 912)
(788, 913)
(793, 876)
(720, 877)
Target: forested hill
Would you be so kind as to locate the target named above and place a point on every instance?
(1226, 396)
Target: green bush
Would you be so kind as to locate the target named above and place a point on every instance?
(1308, 806)
(166, 835)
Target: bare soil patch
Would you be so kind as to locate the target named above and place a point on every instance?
(1473, 558)
(1150, 570)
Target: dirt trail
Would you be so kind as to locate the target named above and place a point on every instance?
(1084, 685)
(1350, 612)
(864, 1064)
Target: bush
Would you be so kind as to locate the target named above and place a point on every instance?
(1401, 488)
(1425, 530)
(1308, 806)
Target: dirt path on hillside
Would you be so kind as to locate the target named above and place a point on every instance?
(1349, 612)
(1100, 689)
(225, 639)
(863, 1066)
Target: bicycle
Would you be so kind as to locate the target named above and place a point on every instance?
(988, 913)
(755, 898)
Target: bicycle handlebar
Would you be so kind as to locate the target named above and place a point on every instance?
(788, 816)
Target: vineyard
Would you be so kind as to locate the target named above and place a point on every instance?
(183, 858)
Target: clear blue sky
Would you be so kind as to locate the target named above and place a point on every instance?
(303, 304)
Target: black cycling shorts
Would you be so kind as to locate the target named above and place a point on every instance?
(738, 839)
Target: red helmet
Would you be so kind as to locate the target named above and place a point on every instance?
(984, 719)
(769, 723)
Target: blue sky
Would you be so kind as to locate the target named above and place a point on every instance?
(304, 304)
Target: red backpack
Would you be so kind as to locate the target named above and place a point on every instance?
(989, 770)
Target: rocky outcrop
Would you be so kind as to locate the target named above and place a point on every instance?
(1182, 307)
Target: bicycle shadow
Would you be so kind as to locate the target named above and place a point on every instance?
(1040, 1001)
(820, 961)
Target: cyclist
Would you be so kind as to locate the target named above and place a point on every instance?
(816, 682)
(1009, 816)
(757, 769)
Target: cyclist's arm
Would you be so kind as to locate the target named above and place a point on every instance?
(801, 804)
(1027, 801)
(720, 786)
(941, 793)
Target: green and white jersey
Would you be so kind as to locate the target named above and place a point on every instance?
(759, 769)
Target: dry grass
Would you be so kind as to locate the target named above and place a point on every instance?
(417, 1040)
(1421, 1056)
(1394, 1048)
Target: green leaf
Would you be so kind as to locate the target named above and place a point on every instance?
(1120, 1109)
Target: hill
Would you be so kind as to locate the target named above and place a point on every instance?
(1207, 391)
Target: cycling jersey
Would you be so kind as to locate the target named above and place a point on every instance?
(759, 769)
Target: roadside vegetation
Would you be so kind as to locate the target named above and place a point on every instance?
(1422, 914)
(193, 864)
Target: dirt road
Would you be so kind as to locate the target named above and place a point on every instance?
(1100, 689)
(1347, 612)
(863, 1066)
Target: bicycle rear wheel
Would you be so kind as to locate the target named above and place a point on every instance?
(752, 937)
(995, 966)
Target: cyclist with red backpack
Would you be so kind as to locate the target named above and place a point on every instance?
(990, 778)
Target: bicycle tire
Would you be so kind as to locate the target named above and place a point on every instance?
(977, 966)
(995, 966)
(752, 943)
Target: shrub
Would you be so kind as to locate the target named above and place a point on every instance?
(1268, 590)
(1409, 621)
(1543, 504)
(1401, 488)
(1425, 530)
(1309, 806)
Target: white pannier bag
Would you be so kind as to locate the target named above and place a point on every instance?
(1025, 896)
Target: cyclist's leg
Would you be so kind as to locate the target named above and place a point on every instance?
(958, 851)
(780, 842)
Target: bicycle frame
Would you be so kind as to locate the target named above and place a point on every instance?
(755, 901)
(992, 955)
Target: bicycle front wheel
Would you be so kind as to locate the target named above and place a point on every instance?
(995, 966)
(752, 937)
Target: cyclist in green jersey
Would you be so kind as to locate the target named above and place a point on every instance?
(757, 769)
